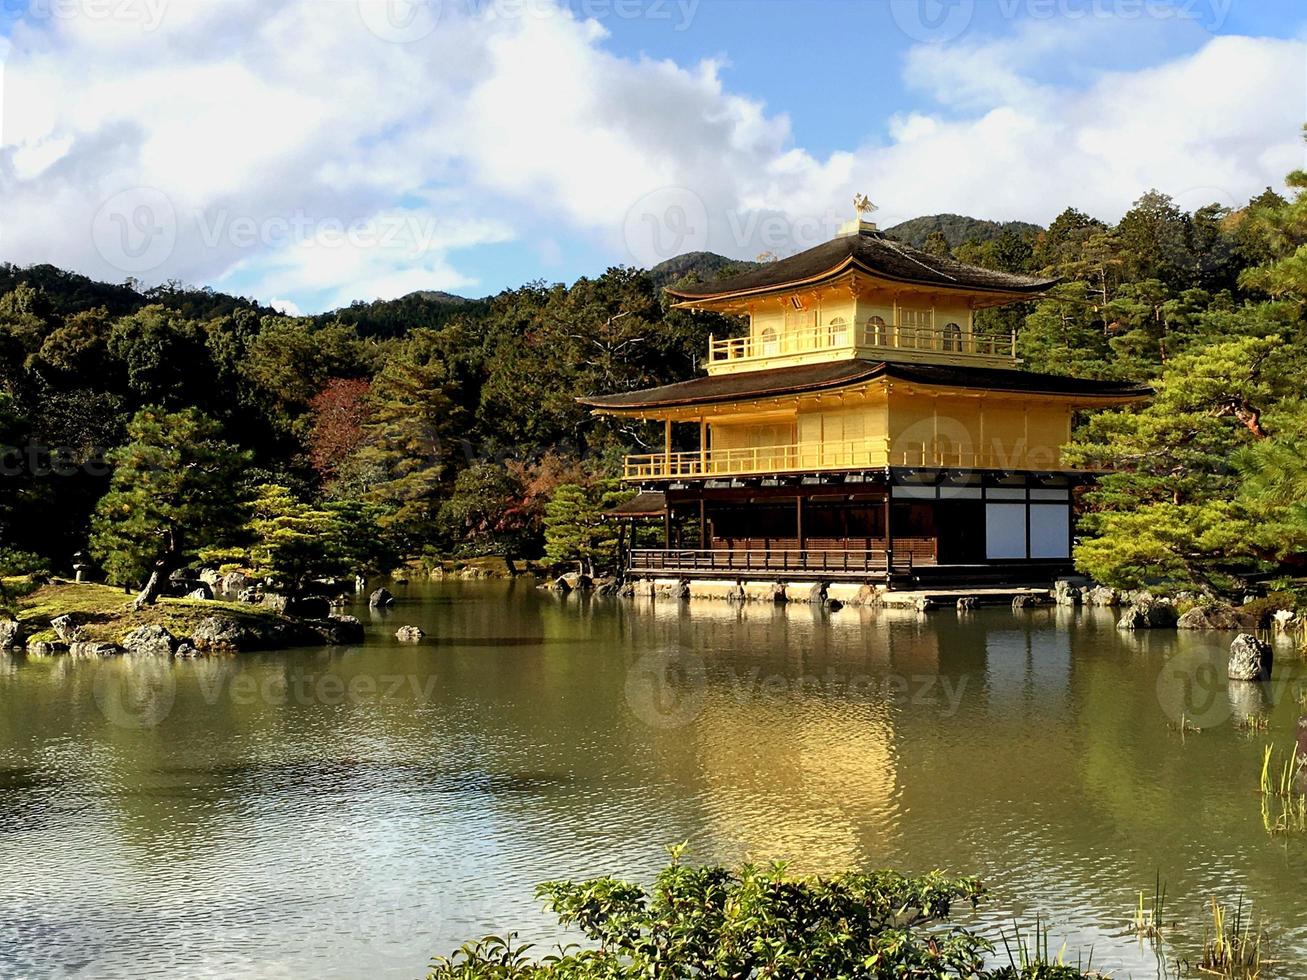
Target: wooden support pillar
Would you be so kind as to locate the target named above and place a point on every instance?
(889, 533)
(703, 445)
(798, 519)
(667, 528)
(703, 525)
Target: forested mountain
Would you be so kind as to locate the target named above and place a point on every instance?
(697, 267)
(447, 425)
(957, 229)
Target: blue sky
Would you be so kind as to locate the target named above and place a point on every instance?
(312, 153)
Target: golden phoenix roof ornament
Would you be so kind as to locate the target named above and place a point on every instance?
(862, 204)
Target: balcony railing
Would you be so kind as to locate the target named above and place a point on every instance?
(908, 553)
(849, 454)
(870, 337)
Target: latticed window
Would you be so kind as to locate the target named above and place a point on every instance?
(877, 331)
(952, 337)
(839, 332)
(771, 342)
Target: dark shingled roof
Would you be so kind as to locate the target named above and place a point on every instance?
(873, 253)
(840, 374)
(644, 504)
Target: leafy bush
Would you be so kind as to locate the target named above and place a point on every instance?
(751, 922)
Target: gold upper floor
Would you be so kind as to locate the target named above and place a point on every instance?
(859, 318)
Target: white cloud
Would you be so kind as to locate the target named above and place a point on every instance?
(285, 306)
(258, 128)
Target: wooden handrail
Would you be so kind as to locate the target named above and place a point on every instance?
(890, 336)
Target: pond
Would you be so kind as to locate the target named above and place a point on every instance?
(349, 812)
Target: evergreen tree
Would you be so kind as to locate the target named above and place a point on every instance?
(175, 489)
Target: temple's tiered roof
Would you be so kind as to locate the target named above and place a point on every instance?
(867, 251)
(806, 378)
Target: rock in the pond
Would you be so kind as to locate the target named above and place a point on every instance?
(672, 590)
(1250, 659)
(202, 592)
(91, 648)
(308, 607)
(66, 628)
(966, 603)
(409, 634)
(1029, 600)
(380, 599)
(149, 641)
(1284, 620)
(43, 648)
(1101, 595)
(924, 604)
(561, 585)
(221, 634)
(186, 652)
(1148, 613)
(12, 634)
(337, 630)
(607, 586)
(579, 583)
(1066, 594)
(834, 605)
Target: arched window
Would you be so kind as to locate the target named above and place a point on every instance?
(877, 332)
(771, 345)
(952, 337)
(838, 331)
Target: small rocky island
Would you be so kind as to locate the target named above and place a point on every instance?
(92, 620)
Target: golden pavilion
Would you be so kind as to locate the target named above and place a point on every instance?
(863, 429)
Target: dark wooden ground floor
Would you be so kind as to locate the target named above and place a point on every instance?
(909, 526)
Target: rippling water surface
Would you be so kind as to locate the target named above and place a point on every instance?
(349, 812)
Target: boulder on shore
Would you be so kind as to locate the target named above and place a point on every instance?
(338, 630)
(409, 634)
(220, 634)
(1250, 659)
(90, 648)
(1149, 613)
(201, 592)
(234, 583)
(66, 628)
(12, 634)
(380, 599)
(1222, 617)
(149, 641)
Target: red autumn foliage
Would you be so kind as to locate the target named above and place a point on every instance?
(339, 412)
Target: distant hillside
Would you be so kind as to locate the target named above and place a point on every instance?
(957, 228)
(701, 266)
(395, 317)
(70, 292)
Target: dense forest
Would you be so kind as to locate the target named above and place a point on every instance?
(151, 426)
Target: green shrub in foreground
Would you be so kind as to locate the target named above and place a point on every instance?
(755, 922)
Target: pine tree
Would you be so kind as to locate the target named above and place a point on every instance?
(175, 489)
